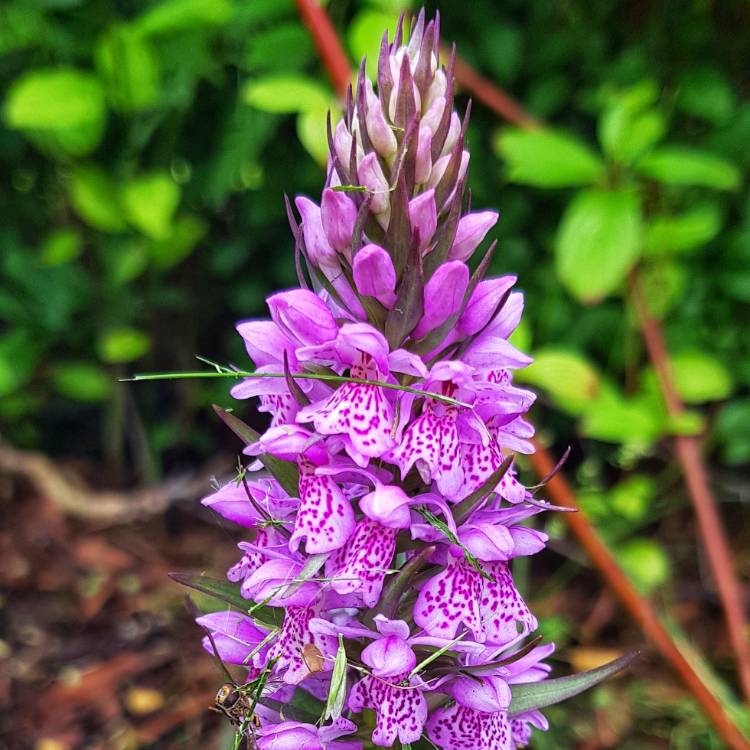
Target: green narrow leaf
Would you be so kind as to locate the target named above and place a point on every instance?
(285, 472)
(229, 593)
(393, 592)
(337, 689)
(546, 158)
(312, 565)
(442, 527)
(532, 696)
(598, 242)
(462, 510)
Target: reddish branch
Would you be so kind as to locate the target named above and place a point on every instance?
(709, 522)
(492, 97)
(638, 607)
(327, 43)
(337, 66)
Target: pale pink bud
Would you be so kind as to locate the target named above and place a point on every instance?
(443, 296)
(423, 217)
(374, 274)
(342, 144)
(339, 215)
(472, 229)
(318, 248)
(434, 115)
(439, 167)
(454, 130)
(380, 133)
(423, 165)
(371, 176)
(437, 89)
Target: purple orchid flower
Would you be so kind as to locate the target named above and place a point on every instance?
(295, 735)
(407, 407)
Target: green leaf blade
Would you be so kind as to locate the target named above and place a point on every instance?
(677, 165)
(598, 242)
(535, 695)
(546, 158)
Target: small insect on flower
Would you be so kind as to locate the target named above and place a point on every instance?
(235, 705)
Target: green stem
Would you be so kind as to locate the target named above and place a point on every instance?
(237, 374)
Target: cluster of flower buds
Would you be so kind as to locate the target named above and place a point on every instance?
(382, 526)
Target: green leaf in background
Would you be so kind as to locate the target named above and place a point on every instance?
(732, 432)
(59, 108)
(125, 259)
(59, 247)
(700, 377)
(284, 47)
(95, 199)
(687, 231)
(170, 16)
(531, 696)
(546, 158)
(82, 381)
(129, 69)
(284, 94)
(122, 345)
(313, 134)
(185, 233)
(149, 202)
(627, 126)
(567, 376)
(632, 498)
(615, 418)
(19, 354)
(663, 282)
(646, 563)
(685, 423)
(366, 31)
(598, 242)
(677, 165)
(705, 92)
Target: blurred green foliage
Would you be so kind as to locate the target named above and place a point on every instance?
(147, 147)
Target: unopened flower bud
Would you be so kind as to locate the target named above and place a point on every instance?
(371, 176)
(423, 162)
(443, 296)
(434, 114)
(374, 274)
(423, 217)
(454, 130)
(338, 215)
(303, 315)
(471, 230)
(317, 246)
(380, 132)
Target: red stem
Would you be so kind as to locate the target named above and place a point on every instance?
(639, 608)
(689, 455)
(327, 43)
